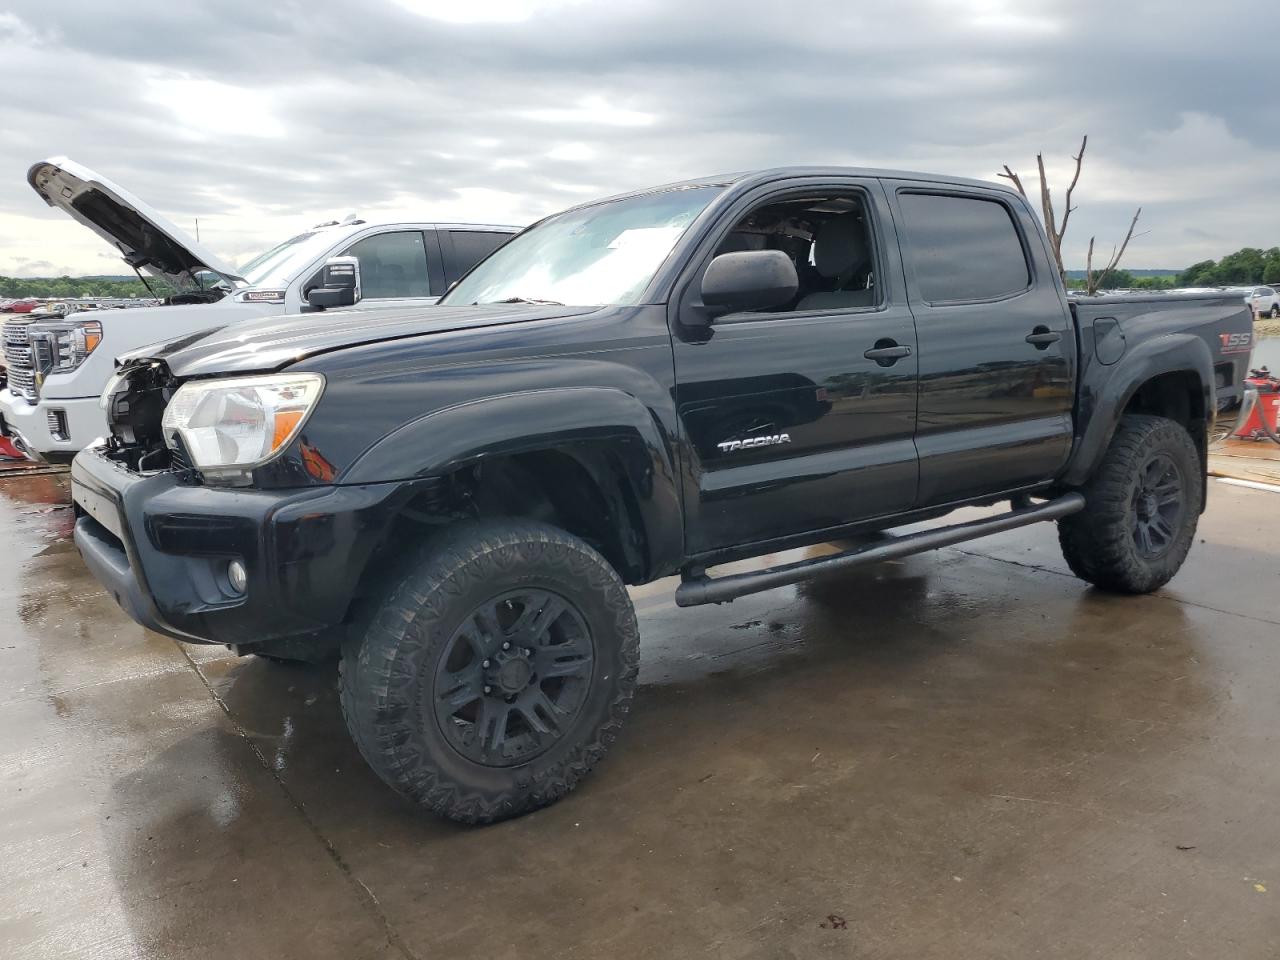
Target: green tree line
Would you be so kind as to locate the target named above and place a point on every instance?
(68, 287)
(1119, 279)
(1242, 268)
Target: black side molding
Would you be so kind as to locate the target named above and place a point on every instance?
(703, 589)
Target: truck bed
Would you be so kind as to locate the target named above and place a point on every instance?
(1107, 324)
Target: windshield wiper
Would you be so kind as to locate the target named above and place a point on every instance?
(549, 303)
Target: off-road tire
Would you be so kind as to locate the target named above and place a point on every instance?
(387, 677)
(1099, 543)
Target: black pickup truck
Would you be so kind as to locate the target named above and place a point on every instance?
(455, 497)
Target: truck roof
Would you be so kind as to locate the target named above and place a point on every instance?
(769, 174)
(413, 222)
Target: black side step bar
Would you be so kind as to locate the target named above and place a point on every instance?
(703, 589)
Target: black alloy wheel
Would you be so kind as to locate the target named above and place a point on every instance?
(1157, 503)
(1141, 508)
(513, 677)
(496, 671)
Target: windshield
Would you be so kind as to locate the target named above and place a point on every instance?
(281, 263)
(605, 253)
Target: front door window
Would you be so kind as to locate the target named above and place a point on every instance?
(392, 265)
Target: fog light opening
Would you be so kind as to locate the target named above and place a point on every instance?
(57, 420)
(237, 576)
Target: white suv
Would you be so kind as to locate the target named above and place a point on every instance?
(1264, 301)
(57, 368)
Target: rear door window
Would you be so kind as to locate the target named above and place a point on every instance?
(963, 248)
(463, 249)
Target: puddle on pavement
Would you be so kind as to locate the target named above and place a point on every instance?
(847, 747)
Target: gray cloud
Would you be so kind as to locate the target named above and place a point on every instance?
(259, 117)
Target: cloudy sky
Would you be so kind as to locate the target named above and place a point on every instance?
(262, 118)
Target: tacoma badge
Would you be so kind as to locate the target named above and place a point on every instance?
(769, 440)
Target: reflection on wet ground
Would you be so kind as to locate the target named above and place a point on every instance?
(958, 755)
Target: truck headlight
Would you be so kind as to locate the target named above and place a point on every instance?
(62, 347)
(227, 427)
(109, 391)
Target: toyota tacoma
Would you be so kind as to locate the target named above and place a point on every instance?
(455, 499)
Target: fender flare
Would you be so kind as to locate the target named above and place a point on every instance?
(594, 425)
(1107, 390)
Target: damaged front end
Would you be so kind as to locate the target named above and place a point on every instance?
(263, 571)
(134, 401)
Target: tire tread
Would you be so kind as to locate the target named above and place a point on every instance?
(1096, 543)
(375, 672)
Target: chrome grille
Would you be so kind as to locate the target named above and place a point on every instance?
(17, 359)
(15, 332)
(22, 383)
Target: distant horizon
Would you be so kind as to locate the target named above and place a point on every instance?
(127, 277)
(1135, 271)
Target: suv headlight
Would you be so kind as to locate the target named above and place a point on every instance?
(69, 343)
(228, 427)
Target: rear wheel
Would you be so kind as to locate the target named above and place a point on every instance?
(1275, 310)
(1141, 509)
(496, 674)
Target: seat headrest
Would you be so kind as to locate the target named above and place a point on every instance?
(839, 246)
(738, 242)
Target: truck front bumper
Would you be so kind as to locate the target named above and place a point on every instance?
(161, 545)
(52, 430)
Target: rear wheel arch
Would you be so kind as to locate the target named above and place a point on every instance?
(1178, 395)
(1171, 377)
(1183, 396)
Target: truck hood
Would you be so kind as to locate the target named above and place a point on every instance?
(273, 342)
(146, 240)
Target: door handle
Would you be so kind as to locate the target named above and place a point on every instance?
(887, 352)
(1042, 336)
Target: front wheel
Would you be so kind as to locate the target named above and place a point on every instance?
(1142, 505)
(496, 674)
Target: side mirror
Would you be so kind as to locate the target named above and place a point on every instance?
(749, 280)
(339, 284)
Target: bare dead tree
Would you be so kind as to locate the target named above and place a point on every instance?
(1090, 280)
(1057, 231)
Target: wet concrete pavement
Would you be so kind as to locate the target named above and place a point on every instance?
(965, 754)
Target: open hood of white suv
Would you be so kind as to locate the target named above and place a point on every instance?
(146, 240)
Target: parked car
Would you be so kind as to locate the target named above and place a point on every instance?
(1264, 301)
(659, 383)
(50, 310)
(57, 370)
